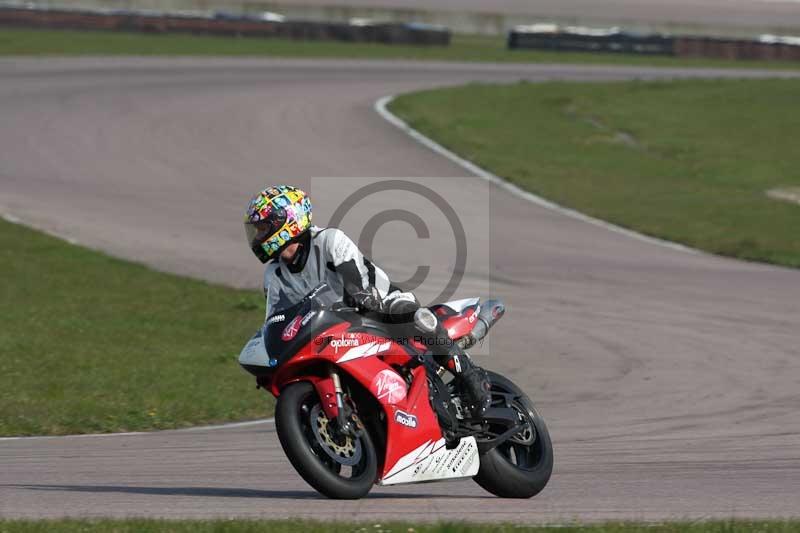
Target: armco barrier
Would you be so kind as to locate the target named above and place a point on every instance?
(388, 33)
(549, 37)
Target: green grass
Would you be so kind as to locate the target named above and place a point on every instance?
(291, 526)
(462, 48)
(689, 161)
(89, 343)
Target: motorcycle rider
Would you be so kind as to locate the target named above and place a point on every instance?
(300, 256)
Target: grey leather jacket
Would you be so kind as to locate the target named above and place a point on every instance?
(329, 256)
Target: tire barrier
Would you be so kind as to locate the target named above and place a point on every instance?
(614, 40)
(570, 39)
(223, 24)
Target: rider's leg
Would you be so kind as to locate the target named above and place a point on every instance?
(470, 377)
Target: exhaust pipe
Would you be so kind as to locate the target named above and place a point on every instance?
(491, 312)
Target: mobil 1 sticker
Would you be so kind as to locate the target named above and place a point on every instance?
(406, 419)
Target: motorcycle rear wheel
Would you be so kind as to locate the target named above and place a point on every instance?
(314, 457)
(520, 467)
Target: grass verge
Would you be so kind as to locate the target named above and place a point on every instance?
(688, 161)
(89, 343)
(463, 48)
(291, 526)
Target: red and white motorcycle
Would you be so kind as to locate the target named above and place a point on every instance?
(359, 406)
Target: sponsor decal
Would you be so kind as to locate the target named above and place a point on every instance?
(408, 420)
(457, 362)
(463, 455)
(455, 455)
(467, 466)
(343, 342)
(291, 329)
(364, 350)
(276, 318)
(307, 318)
(389, 386)
(423, 467)
(318, 289)
(474, 316)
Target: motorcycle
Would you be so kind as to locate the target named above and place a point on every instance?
(358, 405)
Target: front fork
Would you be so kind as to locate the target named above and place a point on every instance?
(331, 394)
(345, 425)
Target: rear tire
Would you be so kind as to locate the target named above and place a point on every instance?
(293, 422)
(513, 469)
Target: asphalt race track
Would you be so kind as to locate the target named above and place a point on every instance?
(669, 379)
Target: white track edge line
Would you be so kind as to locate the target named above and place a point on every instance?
(8, 217)
(232, 425)
(381, 107)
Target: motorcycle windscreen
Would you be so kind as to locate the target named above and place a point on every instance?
(290, 328)
(284, 296)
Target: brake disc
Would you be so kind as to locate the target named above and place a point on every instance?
(345, 451)
(527, 436)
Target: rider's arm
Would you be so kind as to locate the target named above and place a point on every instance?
(366, 284)
(269, 283)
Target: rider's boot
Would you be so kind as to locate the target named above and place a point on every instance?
(472, 379)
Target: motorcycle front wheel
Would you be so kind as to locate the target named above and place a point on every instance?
(521, 466)
(340, 468)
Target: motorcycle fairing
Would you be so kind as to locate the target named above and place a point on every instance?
(317, 350)
(253, 356)
(414, 443)
(306, 326)
(432, 461)
(421, 443)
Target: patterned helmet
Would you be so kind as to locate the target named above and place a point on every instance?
(275, 218)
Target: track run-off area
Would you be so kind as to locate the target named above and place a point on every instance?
(669, 379)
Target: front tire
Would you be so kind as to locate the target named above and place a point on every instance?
(521, 466)
(339, 469)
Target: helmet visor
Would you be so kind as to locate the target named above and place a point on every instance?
(260, 230)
